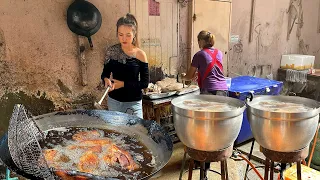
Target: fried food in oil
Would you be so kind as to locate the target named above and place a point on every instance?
(85, 135)
(94, 142)
(89, 161)
(122, 156)
(96, 148)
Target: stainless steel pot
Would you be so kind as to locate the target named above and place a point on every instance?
(207, 131)
(283, 132)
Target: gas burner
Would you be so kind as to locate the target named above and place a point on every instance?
(207, 157)
(283, 158)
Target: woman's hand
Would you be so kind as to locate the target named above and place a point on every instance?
(109, 83)
(118, 84)
(190, 74)
(183, 76)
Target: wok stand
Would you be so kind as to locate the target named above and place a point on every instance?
(207, 157)
(283, 158)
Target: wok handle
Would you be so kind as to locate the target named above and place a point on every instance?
(250, 96)
(105, 93)
(292, 94)
(90, 42)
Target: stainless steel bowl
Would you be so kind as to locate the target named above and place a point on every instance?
(207, 131)
(283, 132)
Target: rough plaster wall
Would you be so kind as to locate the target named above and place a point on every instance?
(311, 11)
(38, 52)
(270, 35)
(184, 47)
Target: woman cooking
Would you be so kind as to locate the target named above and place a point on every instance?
(126, 69)
(208, 62)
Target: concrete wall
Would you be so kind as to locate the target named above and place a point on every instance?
(40, 49)
(39, 54)
(270, 35)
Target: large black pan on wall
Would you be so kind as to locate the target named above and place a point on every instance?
(84, 19)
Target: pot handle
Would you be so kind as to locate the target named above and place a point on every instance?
(90, 42)
(249, 98)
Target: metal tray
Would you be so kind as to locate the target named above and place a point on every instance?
(160, 95)
(187, 90)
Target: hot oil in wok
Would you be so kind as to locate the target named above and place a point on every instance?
(61, 139)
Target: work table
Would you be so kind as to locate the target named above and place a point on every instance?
(156, 104)
(312, 89)
(314, 76)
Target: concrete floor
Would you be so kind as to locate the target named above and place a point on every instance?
(236, 168)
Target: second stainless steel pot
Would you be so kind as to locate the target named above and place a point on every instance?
(283, 132)
(207, 131)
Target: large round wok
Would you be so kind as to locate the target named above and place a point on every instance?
(149, 132)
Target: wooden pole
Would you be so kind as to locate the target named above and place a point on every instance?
(82, 60)
(253, 4)
(319, 18)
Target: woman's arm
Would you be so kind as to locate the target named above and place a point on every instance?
(106, 75)
(190, 74)
(106, 71)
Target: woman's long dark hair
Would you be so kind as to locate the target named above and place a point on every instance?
(130, 20)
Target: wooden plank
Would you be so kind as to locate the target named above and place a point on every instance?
(164, 31)
(157, 36)
(319, 18)
(144, 26)
(253, 5)
(132, 8)
(153, 59)
(152, 39)
(139, 16)
(173, 63)
(158, 30)
(169, 35)
(219, 14)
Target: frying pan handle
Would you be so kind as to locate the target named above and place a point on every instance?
(250, 96)
(90, 42)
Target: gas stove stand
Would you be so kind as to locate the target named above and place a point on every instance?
(283, 157)
(204, 156)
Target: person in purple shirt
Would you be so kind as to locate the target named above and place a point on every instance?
(208, 62)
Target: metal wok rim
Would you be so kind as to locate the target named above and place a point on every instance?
(278, 116)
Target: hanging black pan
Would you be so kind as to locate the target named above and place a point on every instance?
(84, 19)
(149, 132)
